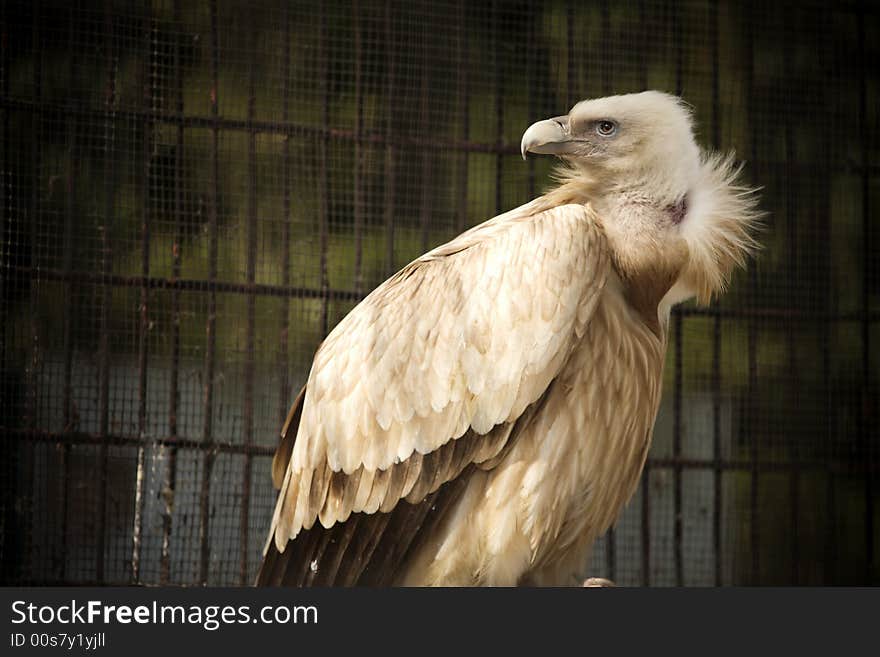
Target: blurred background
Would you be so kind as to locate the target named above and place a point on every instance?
(193, 193)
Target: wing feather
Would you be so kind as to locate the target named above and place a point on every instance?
(374, 549)
(285, 447)
(454, 347)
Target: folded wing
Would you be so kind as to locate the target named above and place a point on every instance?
(430, 376)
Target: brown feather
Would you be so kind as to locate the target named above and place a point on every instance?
(335, 496)
(413, 470)
(373, 548)
(370, 532)
(422, 486)
(288, 437)
(335, 562)
(647, 284)
(367, 550)
(409, 529)
(442, 463)
(394, 490)
(318, 491)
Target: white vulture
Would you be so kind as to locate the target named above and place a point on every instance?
(485, 413)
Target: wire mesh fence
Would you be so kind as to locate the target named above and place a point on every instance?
(193, 194)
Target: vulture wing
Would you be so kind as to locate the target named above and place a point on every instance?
(430, 376)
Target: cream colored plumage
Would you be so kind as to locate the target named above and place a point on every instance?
(484, 414)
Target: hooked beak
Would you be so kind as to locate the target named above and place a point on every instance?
(550, 137)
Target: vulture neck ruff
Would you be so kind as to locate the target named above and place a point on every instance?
(715, 215)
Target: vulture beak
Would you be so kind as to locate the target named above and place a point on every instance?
(550, 137)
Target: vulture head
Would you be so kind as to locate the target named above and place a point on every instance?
(672, 212)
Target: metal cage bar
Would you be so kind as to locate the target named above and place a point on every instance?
(169, 453)
(250, 326)
(37, 119)
(866, 416)
(748, 428)
(717, 455)
(286, 219)
(144, 327)
(678, 341)
(358, 191)
(791, 204)
(67, 266)
(645, 484)
(9, 545)
(425, 158)
(109, 146)
(389, 182)
(211, 326)
(323, 176)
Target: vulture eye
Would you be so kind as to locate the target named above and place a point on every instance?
(606, 128)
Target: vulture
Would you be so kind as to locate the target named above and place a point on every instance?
(484, 414)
